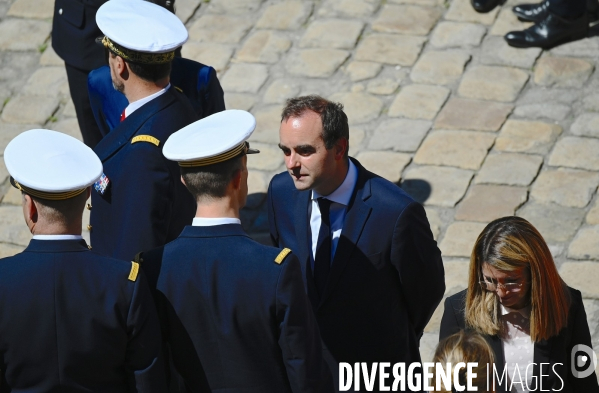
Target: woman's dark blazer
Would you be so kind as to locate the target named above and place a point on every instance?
(556, 350)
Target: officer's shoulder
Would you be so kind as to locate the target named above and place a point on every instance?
(274, 255)
(116, 269)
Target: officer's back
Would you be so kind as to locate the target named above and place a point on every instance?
(70, 320)
(233, 311)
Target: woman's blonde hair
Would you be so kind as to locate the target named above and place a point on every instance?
(508, 244)
(467, 346)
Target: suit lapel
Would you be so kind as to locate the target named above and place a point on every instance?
(356, 216)
(304, 243)
(123, 133)
(542, 351)
(497, 346)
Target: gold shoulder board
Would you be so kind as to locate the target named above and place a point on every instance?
(134, 271)
(145, 138)
(282, 255)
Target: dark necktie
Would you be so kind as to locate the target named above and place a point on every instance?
(322, 259)
(123, 115)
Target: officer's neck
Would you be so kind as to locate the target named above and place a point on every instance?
(137, 88)
(226, 207)
(44, 227)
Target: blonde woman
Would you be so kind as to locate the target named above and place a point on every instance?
(467, 347)
(519, 303)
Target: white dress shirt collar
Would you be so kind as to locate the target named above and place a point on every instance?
(209, 222)
(525, 312)
(57, 237)
(343, 193)
(135, 105)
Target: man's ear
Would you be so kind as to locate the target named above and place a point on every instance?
(341, 147)
(236, 181)
(122, 67)
(29, 209)
(183, 181)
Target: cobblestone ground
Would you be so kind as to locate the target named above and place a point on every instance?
(438, 103)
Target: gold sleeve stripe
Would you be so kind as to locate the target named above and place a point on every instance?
(145, 138)
(134, 271)
(282, 255)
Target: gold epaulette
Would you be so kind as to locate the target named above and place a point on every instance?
(282, 255)
(145, 138)
(134, 271)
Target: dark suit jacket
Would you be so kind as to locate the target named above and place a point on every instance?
(74, 31)
(386, 277)
(145, 205)
(557, 349)
(73, 321)
(197, 81)
(229, 308)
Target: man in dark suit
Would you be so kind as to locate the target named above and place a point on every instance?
(234, 312)
(140, 202)
(70, 320)
(74, 31)
(371, 267)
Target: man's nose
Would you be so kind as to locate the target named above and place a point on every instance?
(291, 161)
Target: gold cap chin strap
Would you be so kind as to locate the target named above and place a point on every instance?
(137, 57)
(52, 196)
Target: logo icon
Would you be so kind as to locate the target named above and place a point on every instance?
(582, 355)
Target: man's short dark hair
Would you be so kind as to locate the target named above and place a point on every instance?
(63, 211)
(150, 72)
(211, 181)
(334, 120)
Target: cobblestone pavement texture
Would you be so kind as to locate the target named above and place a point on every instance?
(437, 102)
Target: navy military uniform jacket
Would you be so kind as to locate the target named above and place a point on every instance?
(235, 314)
(144, 204)
(197, 81)
(75, 321)
(386, 277)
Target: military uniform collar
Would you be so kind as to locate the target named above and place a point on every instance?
(125, 131)
(73, 245)
(213, 231)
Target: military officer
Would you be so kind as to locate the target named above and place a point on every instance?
(197, 81)
(233, 311)
(140, 202)
(70, 320)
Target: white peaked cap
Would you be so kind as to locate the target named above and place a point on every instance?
(211, 140)
(141, 26)
(51, 165)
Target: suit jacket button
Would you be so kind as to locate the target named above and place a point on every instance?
(89, 207)
(60, 11)
(88, 246)
(89, 227)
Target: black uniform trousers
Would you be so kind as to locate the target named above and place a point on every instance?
(569, 9)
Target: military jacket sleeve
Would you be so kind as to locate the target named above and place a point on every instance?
(143, 200)
(299, 338)
(144, 360)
